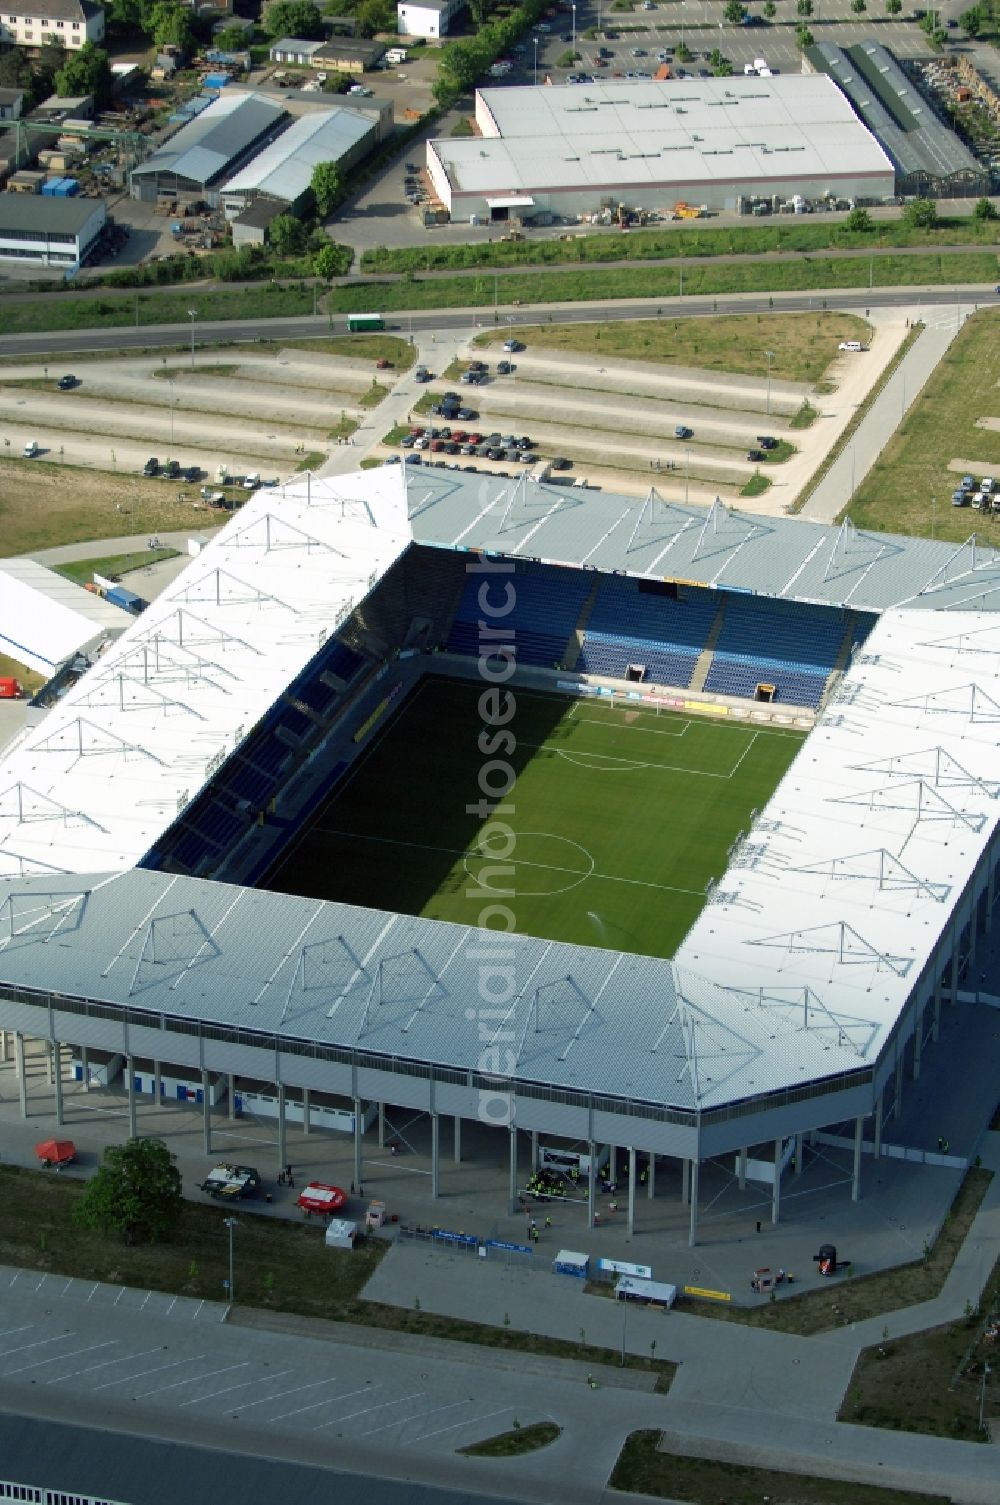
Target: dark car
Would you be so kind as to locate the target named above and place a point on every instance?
(512, 346)
(66, 382)
(561, 463)
(151, 467)
(192, 473)
(408, 441)
(451, 397)
(422, 374)
(467, 415)
(478, 366)
(756, 455)
(413, 460)
(766, 442)
(504, 368)
(171, 470)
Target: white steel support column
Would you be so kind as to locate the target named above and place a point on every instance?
(359, 1129)
(3, 1047)
(685, 1181)
(878, 1124)
(381, 1126)
(458, 1140)
(231, 1096)
(48, 1062)
(306, 1111)
(859, 1129)
(741, 1169)
(22, 1080)
(799, 1154)
(206, 1103)
(534, 1151)
(612, 1163)
(591, 1183)
(133, 1126)
(57, 1079)
(776, 1188)
(85, 1068)
(651, 1178)
(630, 1230)
(157, 1082)
(435, 1155)
(693, 1224)
(282, 1129)
(512, 1187)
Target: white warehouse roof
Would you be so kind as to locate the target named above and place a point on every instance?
(677, 131)
(284, 169)
(202, 150)
(45, 618)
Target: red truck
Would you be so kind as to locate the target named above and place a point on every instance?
(10, 689)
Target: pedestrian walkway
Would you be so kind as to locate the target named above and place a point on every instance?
(886, 413)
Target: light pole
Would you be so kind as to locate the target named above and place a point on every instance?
(573, 8)
(535, 40)
(687, 475)
(769, 357)
(982, 1395)
(231, 1223)
(192, 315)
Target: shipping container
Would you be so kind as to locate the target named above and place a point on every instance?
(10, 689)
(126, 599)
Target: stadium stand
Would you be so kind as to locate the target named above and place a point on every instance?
(643, 622)
(412, 606)
(793, 647)
(546, 608)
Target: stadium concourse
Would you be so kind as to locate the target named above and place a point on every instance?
(138, 813)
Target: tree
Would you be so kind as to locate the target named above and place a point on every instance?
(681, 53)
(327, 262)
(803, 37)
(920, 214)
(287, 235)
(170, 25)
(125, 15)
(373, 16)
(720, 66)
(734, 12)
(136, 1192)
(985, 209)
(327, 186)
(771, 10)
(294, 18)
(893, 7)
(858, 7)
(859, 219)
(971, 21)
(804, 7)
(86, 71)
(231, 39)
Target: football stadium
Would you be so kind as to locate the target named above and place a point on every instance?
(629, 827)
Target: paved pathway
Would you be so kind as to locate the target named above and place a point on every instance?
(879, 424)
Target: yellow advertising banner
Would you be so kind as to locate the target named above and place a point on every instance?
(707, 1295)
(706, 708)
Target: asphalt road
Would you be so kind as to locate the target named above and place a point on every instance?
(235, 331)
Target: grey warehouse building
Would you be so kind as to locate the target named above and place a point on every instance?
(210, 149)
(578, 149)
(283, 171)
(51, 232)
(929, 157)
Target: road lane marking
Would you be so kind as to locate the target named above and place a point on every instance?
(201, 1399)
(90, 1348)
(119, 1359)
(38, 1343)
(157, 1368)
(367, 1411)
(330, 1380)
(402, 1420)
(330, 1401)
(227, 1369)
(469, 1422)
(9, 1332)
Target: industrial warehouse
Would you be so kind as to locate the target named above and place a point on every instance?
(575, 150)
(142, 812)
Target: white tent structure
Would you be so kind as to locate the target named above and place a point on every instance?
(45, 618)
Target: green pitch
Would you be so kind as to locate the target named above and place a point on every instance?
(620, 816)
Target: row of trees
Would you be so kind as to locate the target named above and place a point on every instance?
(463, 62)
(301, 18)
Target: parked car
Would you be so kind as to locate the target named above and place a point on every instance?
(766, 441)
(171, 470)
(512, 346)
(382, 364)
(31, 449)
(504, 368)
(561, 463)
(192, 473)
(681, 431)
(151, 467)
(422, 374)
(66, 382)
(756, 455)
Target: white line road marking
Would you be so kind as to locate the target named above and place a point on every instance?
(119, 1359)
(199, 1400)
(90, 1348)
(157, 1369)
(38, 1343)
(331, 1380)
(331, 1400)
(367, 1410)
(9, 1332)
(193, 1379)
(470, 1421)
(402, 1420)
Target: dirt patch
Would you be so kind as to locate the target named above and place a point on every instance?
(43, 505)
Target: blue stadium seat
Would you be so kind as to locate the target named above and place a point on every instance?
(629, 625)
(546, 609)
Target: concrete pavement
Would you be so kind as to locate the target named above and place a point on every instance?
(904, 386)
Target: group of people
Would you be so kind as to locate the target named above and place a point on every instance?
(285, 1177)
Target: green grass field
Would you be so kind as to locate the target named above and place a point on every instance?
(621, 817)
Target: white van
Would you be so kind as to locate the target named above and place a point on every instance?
(854, 345)
(31, 449)
(396, 55)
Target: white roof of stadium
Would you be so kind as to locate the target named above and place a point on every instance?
(284, 169)
(104, 774)
(45, 618)
(796, 970)
(671, 132)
